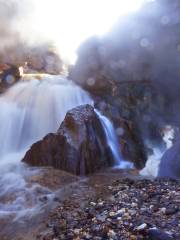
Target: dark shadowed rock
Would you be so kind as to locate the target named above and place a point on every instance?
(135, 72)
(170, 162)
(9, 74)
(132, 145)
(79, 146)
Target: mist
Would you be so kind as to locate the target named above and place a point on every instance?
(141, 46)
(21, 44)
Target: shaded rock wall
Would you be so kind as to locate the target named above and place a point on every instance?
(133, 74)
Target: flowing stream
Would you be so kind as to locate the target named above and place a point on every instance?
(113, 142)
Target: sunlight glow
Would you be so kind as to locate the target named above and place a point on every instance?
(69, 22)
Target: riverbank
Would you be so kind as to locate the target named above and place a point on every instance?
(112, 204)
(117, 207)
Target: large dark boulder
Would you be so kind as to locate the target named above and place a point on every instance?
(78, 147)
(170, 162)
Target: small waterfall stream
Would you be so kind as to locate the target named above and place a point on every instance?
(113, 142)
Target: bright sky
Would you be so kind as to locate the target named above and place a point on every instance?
(70, 22)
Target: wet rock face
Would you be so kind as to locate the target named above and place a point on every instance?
(170, 162)
(132, 146)
(78, 147)
(130, 71)
(132, 108)
(131, 105)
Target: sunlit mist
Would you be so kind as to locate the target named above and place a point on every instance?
(68, 22)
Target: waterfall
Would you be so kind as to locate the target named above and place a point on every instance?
(28, 111)
(112, 141)
(152, 165)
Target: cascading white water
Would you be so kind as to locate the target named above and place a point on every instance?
(28, 111)
(152, 165)
(113, 142)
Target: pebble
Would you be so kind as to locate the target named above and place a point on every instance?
(92, 203)
(132, 212)
(141, 227)
(121, 211)
(111, 234)
(101, 218)
(100, 204)
(112, 214)
(156, 234)
(134, 204)
(77, 231)
(163, 210)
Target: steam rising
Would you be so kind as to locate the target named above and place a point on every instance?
(63, 23)
(13, 13)
(142, 46)
(19, 43)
